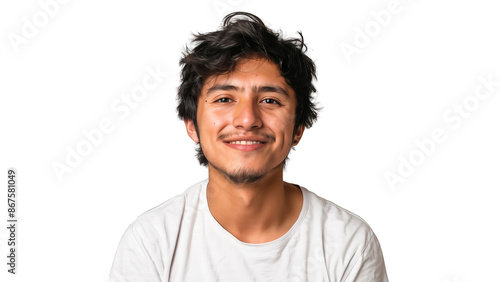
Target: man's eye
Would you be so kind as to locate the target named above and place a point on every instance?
(223, 100)
(270, 101)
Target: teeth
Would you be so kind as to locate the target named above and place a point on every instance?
(245, 142)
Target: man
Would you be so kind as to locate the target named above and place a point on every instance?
(245, 98)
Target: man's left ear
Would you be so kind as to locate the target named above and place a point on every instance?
(298, 135)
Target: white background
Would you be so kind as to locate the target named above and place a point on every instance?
(441, 224)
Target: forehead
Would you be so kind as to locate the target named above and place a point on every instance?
(250, 73)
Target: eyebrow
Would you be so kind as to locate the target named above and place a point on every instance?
(256, 89)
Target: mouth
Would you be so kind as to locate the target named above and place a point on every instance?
(244, 142)
(248, 145)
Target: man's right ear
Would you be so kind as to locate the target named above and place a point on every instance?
(191, 130)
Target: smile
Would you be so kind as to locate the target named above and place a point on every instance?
(243, 142)
(246, 145)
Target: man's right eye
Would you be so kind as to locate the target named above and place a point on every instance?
(224, 100)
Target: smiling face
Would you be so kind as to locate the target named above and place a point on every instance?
(246, 121)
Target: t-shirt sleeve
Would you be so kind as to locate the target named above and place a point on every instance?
(369, 265)
(132, 262)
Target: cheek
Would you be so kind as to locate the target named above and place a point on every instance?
(219, 116)
(283, 124)
(283, 131)
(210, 124)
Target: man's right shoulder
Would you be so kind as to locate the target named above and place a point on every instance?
(171, 212)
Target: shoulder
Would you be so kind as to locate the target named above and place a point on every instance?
(349, 244)
(169, 213)
(343, 229)
(335, 215)
(146, 248)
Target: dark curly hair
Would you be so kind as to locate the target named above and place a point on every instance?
(218, 52)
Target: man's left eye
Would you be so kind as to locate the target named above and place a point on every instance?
(270, 101)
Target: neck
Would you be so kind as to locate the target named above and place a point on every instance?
(256, 212)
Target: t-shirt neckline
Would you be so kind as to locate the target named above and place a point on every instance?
(274, 243)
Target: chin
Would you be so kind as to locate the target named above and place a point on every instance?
(240, 173)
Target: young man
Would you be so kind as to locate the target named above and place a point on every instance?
(245, 98)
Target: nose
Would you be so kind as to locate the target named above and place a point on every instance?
(247, 115)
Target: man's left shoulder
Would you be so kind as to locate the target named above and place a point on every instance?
(352, 251)
(338, 223)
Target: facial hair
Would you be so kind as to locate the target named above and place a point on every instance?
(241, 176)
(244, 175)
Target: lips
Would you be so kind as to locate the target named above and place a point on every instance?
(244, 142)
(246, 139)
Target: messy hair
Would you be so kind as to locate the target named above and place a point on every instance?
(244, 35)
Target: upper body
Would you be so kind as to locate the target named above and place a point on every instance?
(180, 240)
(246, 98)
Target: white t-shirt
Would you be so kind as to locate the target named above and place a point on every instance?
(180, 240)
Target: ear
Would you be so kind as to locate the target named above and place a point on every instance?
(298, 135)
(191, 130)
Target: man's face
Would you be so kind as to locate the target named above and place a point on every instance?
(245, 121)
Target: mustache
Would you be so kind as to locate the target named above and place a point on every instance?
(269, 137)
